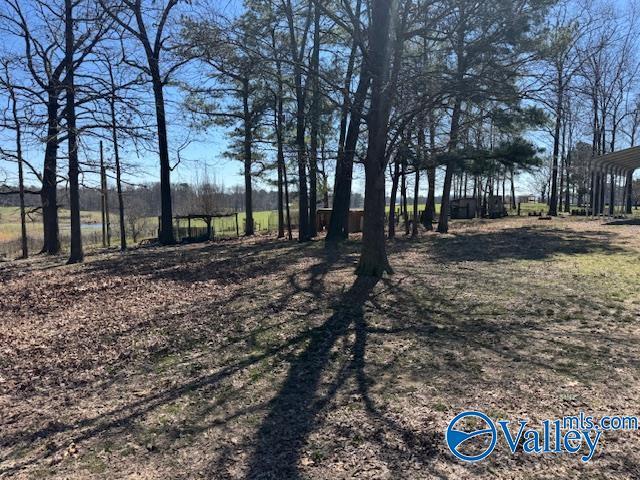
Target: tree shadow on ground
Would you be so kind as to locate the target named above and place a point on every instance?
(293, 410)
(226, 262)
(116, 420)
(624, 221)
(523, 243)
(449, 336)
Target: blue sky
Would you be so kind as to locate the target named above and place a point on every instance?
(205, 150)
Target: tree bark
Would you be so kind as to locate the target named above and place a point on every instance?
(339, 222)
(23, 216)
(315, 123)
(76, 255)
(416, 190)
(49, 192)
(403, 196)
(443, 222)
(116, 154)
(166, 236)
(248, 139)
(280, 160)
(286, 200)
(553, 199)
(373, 257)
(392, 199)
(430, 206)
(104, 201)
(300, 94)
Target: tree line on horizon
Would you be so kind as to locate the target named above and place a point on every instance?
(306, 88)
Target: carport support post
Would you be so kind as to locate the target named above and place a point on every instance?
(623, 198)
(617, 187)
(620, 189)
(592, 194)
(603, 186)
(629, 191)
(596, 192)
(612, 193)
(623, 186)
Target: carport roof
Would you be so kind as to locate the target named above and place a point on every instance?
(627, 159)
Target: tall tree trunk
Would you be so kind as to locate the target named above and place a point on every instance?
(304, 234)
(278, 112)
(23, 216)
(103, 196)
(443, 223)
(567, 191)
(297, 56)
(315, 123)
(287, 201)
(325, 177)
(392, 199)
(338, 228)
(416, 190)
(403, 196)
(466, 181)
(116, 154)
(339, 222)
(561, 186)
(513, 189)
(553, 199)
(280, 156)
(373, 257)
(166, 236)
(247, 144)
(49, 192)
(76, 254)
(430, 206)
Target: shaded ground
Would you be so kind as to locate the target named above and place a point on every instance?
(266, 359)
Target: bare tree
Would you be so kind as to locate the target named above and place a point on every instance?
(149, 23)
(14, 122)
(43, 58)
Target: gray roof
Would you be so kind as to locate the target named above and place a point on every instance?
(627, 159)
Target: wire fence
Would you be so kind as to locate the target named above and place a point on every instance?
(13, 248)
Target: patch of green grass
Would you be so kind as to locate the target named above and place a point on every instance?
(42, 472)
(162, 363)
(93, 463)
(440, 407)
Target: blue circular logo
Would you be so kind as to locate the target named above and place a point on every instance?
(472, 425)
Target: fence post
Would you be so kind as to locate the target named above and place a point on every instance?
(237, 228)
(519, 208)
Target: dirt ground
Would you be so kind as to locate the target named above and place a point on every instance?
(263, 359)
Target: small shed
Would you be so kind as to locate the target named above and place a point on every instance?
(356, 219)
(463, 208)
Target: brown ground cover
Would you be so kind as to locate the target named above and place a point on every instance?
(267, 359)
